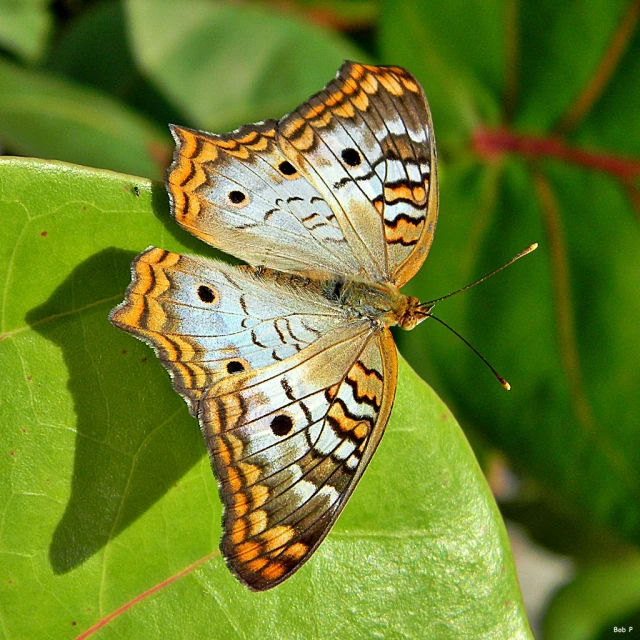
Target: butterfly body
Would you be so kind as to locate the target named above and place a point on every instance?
(382, 303)
(288, 362)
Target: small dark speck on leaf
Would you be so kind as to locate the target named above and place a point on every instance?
(74, 623)
(136, 191)
(84, 208)
(29, 378)
(124, 352)
(12, 453)
(43, 233)
(143, 360)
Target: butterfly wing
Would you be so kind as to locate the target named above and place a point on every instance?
(208, 320)
(290, 443)
(366, 144)
(346, 184)
(238, 192)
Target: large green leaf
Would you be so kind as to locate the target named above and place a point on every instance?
(224, 64)
(53, 118)
(107, 491)
(561, 327)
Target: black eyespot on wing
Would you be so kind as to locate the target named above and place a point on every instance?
(237, 197)
(206, 294)
(234, 366)
(286, 168)
(281, 425)
(351, 157)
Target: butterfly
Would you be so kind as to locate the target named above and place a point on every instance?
(288, 361)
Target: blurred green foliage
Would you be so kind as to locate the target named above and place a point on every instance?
(535, 108)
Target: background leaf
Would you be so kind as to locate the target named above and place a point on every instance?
(598, 600)
(193, 51)
(101, 472)
(49, 117)
(24, 27)
(546, 324)
(94, 51)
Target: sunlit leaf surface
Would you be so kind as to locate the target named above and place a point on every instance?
(108, 492)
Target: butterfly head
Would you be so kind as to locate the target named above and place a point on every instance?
(413, 313)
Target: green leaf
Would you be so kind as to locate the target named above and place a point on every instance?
(49, 117)
(226, 64)
(613, 123)
(93, 50)
(24, 27)
(454, 49)
(108, 492)
(598, 599)
(562, 46)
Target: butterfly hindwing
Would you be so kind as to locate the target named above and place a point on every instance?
(290, 443)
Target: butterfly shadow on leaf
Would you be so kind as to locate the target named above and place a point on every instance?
(133, 441)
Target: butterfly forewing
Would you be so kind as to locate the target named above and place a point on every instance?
(289, 445)
(240, 193)
(346, 184)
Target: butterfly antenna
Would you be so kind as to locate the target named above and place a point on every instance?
(428, 306)
(499, 378)
(522, 254)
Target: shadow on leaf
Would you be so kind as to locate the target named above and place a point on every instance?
(135, 439)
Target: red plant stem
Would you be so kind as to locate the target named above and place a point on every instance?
(491, 143)
(143, 596)
(601, 77)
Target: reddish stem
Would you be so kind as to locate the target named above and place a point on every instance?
(602, 75)
(143, 596)
(492, 143)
